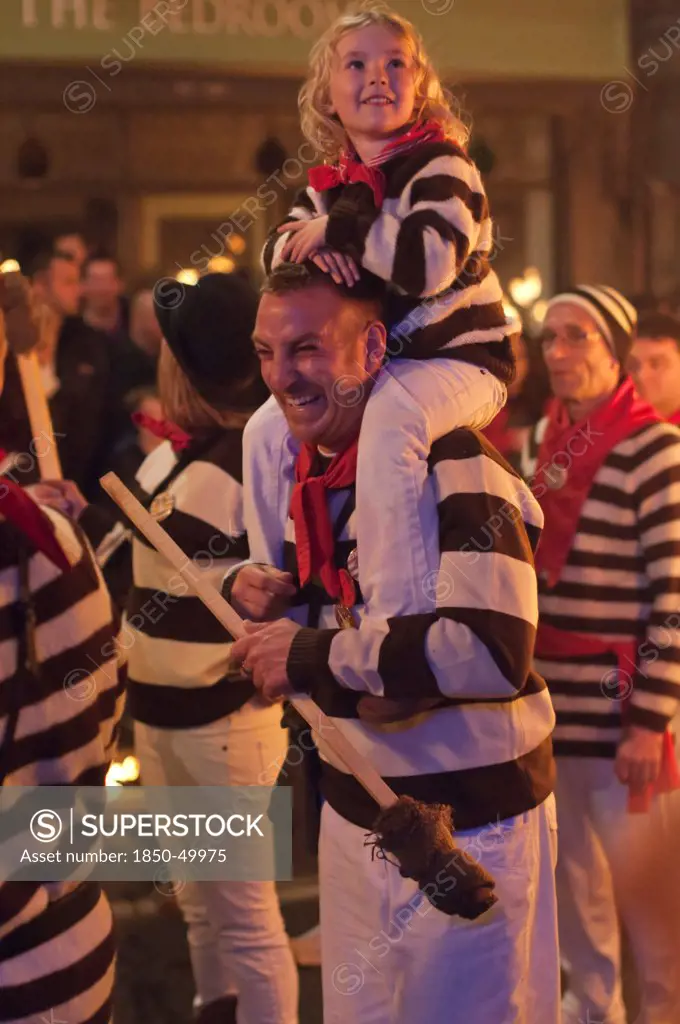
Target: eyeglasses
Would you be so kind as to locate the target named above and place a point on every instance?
(573, 336)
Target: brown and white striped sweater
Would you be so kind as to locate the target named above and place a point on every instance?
(56, 949)
(485, 749)
(433, 241)
(621, 581)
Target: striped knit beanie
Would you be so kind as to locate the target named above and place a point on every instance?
(613, 314)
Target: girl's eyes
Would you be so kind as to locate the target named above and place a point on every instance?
(397, 62)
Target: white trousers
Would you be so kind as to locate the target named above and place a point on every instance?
(595, 833)
(237, 938)
(388, 957)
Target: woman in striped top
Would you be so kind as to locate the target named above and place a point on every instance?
(61, 689)
(197, 722)
(400, 198)
(606, 470)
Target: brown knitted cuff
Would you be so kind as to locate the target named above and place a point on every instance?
(307, 664)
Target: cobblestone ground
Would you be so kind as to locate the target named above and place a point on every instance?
(154, 984)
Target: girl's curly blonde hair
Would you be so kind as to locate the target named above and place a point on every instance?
(433, 101)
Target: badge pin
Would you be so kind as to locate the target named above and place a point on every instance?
(353, 564)
(162, 506)
(344, 617)
(556, 478)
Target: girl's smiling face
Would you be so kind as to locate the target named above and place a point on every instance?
(373, 83)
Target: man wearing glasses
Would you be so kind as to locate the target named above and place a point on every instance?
(606, 470)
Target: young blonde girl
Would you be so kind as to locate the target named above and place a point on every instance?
(400, 198)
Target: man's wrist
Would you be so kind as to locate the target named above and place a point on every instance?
(231, 576)
(642, 719)
(307, 663)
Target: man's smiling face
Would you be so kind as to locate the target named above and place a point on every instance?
(319, 352)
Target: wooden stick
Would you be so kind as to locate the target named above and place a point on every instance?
(329, 733)
(39, 417)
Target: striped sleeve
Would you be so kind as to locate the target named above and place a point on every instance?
(476, 640)
(656, 480)
(306, 206)
(423, 235)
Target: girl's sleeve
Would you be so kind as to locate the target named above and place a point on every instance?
(307, 205)
(421, 239)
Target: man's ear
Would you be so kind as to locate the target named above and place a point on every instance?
(376, 345)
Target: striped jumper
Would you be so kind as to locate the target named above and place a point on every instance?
(178, 651)
(485, 749)
(433, 240)
(621, 581)
(56, 945)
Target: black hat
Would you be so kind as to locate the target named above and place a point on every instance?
(208, 327)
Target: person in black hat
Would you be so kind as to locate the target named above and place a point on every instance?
(195, 723)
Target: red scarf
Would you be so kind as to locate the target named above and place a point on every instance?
(314, 540)
(675, 418)
(20, 510)
(351, 168)
(163, 428)
(569, 458)
(561, 643)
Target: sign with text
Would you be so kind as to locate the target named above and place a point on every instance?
(527, 38)
(134, 833)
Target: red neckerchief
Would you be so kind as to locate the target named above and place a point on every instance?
(351, 168)
(314, 542)
(562, 643)
(20, 510)
(163, 428)
(613, 421)
(675, 418)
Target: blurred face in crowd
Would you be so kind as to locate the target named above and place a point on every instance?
(144, 328)
(318, 353)
(74, 246)
(102, 286)
(582, 368)
(654, 365)
(60, 286)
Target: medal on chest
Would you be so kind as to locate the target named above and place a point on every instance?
(345, 616)
(162, 506)
(555, 477)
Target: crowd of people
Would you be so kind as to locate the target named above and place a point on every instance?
(463, 543)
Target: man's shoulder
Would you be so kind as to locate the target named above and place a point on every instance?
(266, 433)
(649, 445)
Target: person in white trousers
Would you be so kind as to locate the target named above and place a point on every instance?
(606, 469)
(196, 722)
(427, 696)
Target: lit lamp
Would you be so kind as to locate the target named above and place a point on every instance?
(221, 265)
(187, 276)
(123, 771)
(511, 312)
(526, 290)
(237, 244)
(10, 267)
(539, 310)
